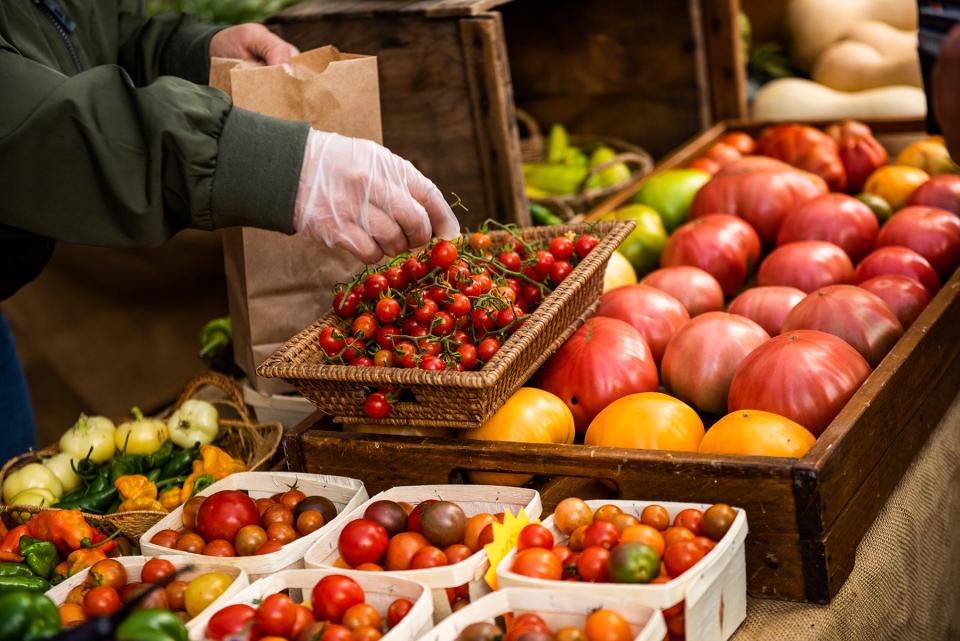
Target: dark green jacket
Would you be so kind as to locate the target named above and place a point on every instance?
(107, 137)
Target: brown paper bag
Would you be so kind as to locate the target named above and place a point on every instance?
(278, 284)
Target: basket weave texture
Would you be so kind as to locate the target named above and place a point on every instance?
(240, 436)
(450, 398)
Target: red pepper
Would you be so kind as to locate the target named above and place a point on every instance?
(67, 529)
(11, 542)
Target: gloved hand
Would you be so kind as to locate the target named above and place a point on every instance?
(357, 195)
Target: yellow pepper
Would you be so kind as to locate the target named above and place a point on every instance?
(82, 559)
(170, 498)
(213, 462)
(135, 486)
(141, 503)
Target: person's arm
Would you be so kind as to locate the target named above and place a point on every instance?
(93, 159)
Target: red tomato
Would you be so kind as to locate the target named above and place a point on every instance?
(414, 269)
(362, 541)
(851, 313)
(806, 265)
(457, 552)
(301, 619)
(229, 621)
(535, 536)
(396, 277)
(901, 261)
(558, 273)
(722, 154)
(155, 570)
(222, 514)
(931, 232)
(806, 376)
(488, 348)
(859, 152)
(538, 563)
(345, 304)
(584, 244)
(835, 218)
(740, 141)
(601, 534)
(604, 360)
(336, 632)
(165, 538)
(101, 601)
(276, 615)
(691, 518)
(941, 191)
(703, 355)
(806, 148)
(592, 564)
(374, 285)
(563, 553)
(401, 549)
(705, 164)
(468, 356)
(443, 254)
(398, 610)
(654, 313)
(766, 306)
(561, 247)
(376, 405)
(680, 557)
(428, 557)
(724, 246)
(333, 595)
(698, 291)
(704, 543)
(904, 296)
(331, 340)
(387, 310)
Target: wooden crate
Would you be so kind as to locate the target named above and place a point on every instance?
(448, 86)
(806, 516)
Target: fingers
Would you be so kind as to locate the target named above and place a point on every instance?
(271, 48)
(442, 219)
(385, 231)
(358, 242)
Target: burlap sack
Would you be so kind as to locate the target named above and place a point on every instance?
(278, 284)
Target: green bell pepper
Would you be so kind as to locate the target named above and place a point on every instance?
(40, 556)
(27, 616)
(152, 625)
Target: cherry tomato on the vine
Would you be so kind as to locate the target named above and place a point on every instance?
(584, 244)
(487, 348)
(397, 278)
(430, 362)
(353, 348)
(345, 304)
(510, 260)
(480, 241)
(561, 247)
(443, 254)
(376, 405)
(374, 285)
(468, 356)
(560, 270)
(414, 269)
(365, 326)
(545, 261)
(459, 305)
(387, 309)
(331, 340)
(442, 324)
(384, 335)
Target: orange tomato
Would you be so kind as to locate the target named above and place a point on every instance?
(649, 420)
(369, 567)
(895, 183)
(474, 526)
(607, 625)
(606, 512)
(361, 614)
(644, 534)
(676, 534)
(757, 433)
(572, 513)
(656, 516)
(623, 521)
(71, 614)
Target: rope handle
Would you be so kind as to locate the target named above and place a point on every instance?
(643, 161)
(535, 139)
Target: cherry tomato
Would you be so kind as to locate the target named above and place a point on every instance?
(229, 621)
(468, 356)
(406, 355)
(268, 548)
(276, 615)
(559, 271)
(656, 516)
(563, 553)
(676, 534)
(366, 633)
(480, 241)
(483, 319)
(432, 363)
(428, 557)
(353, 348)
(345, 304)
(425, 312)
(109, 572)
(531, 294)
(538, 563)
(458, 274)
(607, 625)
(584, 244)
(534, 275)
(309, 521)
(376, 405)
(438, 295)
(442, 324)
(606, 512)
(396, 278)
(154, 570)
(459, 305)
(456, 553)
(331, 342)
(414, 269)
(487, 348)
(601, 533)
(190, 542)
(644, 534)
(281, 533)
(362, 541)
(623, 521)
(704, 544)
(717, 519)
(692, 519)
(385, 336)
(101, 601)
(333, 595)
(248, 540)
(219, 547)
(301, 619)
(535, 536)
(681, 556)
(561, 247)
(572, 513)
(276, 513)
(176, 594)
(365, 326)
(398, 610)
(374, 285)
(510, 260)
(165, 538)
(387, 310)
(443, 255)
(402, 547)
(592, 564)
(361, 614)
(545, 261)
(383, 358)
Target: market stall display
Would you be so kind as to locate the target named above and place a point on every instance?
(295, 604)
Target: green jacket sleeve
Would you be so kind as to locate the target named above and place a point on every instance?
(94, 159)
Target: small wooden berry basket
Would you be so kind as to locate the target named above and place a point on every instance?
(345, 493)
(450, 398)
(134, 565)
(380, 590)
(557, 609)
(474, 499)
(714, 590)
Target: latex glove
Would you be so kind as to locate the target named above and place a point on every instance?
(356, 195)
(252, 42)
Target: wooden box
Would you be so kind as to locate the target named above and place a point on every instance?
(448, 85)
(806, 516)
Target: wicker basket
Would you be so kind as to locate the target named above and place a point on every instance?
(449, 398)
(240, 436)
(533, 148)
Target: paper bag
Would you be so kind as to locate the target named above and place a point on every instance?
(278, 284)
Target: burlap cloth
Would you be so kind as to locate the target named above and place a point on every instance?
(906, 580)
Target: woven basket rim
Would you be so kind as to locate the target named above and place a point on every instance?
(283, 362)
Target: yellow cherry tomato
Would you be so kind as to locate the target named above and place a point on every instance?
(895, 183)
(529, 416)
(930, 155)
(758, 433)
(619, 272)
(204, 590)
(650, 421)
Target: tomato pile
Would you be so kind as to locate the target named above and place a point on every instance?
(600, 625)
(448, 307)
(107, 587)
(337, 611)
(611, 546)
(230, 523)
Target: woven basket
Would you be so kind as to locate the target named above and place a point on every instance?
(240, 436)
(450, 398)
(533, 148)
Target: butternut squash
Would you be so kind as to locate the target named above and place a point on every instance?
(816, 24)
(798, 99)
(870, 55)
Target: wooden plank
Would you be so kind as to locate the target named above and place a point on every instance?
(389, 8)
(726, 66)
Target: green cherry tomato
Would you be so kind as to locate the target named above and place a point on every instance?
(633, 562)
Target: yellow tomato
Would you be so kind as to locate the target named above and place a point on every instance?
(529, 416)
(930, 155)
(650, 421)
(895, 183)
(619, 272)
(758, 433)
(204, 590)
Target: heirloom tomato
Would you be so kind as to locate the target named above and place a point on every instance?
(859, 152)
(538, 563)
(901, 261)
(222, 514)
(904, 296)
(698, 291)
(940, 191)
(806, 265)
(649, 420)
(895, 183)
(835, 218)
(724, 246)
(766, 306)
(805, 148)
(757, 433)
(333, 595)
(652, 312)
(931, 232)
(804, 375)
